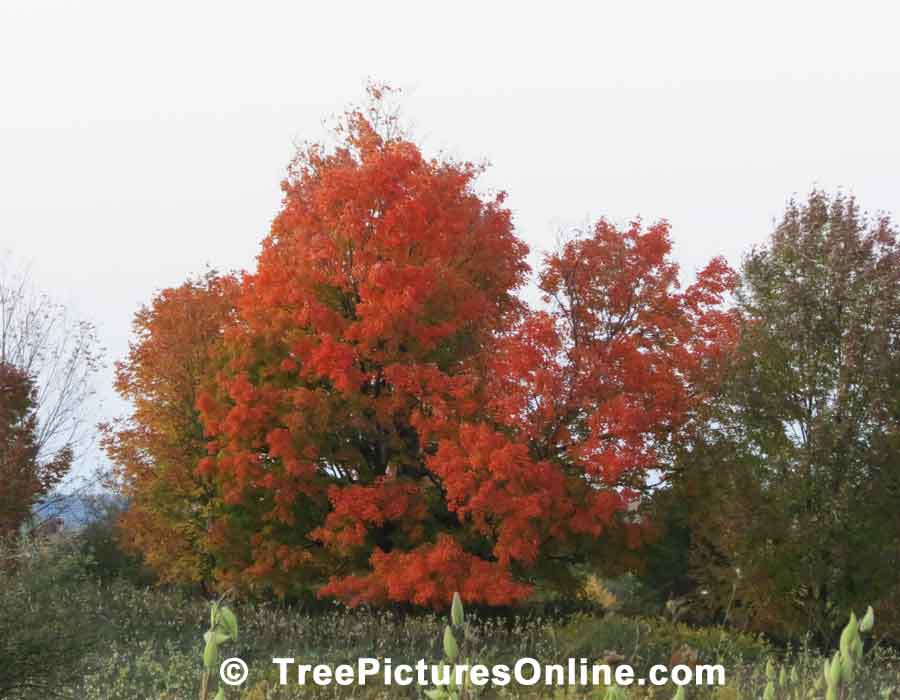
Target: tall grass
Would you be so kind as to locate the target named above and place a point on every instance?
(115, 641)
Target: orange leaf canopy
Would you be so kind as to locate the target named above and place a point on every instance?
(390, 418)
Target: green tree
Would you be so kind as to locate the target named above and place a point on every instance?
(794, 484)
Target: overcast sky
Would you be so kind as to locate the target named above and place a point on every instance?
(140, 142)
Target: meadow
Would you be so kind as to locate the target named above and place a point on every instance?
(115, 639)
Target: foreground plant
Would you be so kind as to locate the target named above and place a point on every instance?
(222, 628)
(839, 674)
(454, 690)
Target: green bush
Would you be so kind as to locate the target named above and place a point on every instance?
(647, 641)
(50, 617)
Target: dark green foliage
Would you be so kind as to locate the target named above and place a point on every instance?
(647, 641)
(101, 541)
(666, 559)
(794, 485)
(49, 617)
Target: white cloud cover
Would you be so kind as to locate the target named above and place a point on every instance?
(141, 141)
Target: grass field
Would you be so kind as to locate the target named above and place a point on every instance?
(119, 641)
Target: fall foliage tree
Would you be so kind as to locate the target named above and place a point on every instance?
(795, 483)
(25, 476)
(155, 450)
(391, 419)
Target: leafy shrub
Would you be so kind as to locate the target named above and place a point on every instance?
(50, 614)
(647, 641)
(595, 591)
(634, 597)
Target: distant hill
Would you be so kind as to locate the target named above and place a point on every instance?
(77, 510)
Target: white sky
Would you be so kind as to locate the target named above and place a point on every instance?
(141, 141)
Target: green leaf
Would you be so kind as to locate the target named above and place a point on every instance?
(451, 649)
(834, 671)
(847, 667)
(211, 650)
(228, 621)
(456, 611)
(868, 621)
(436, 694)
(847, 636)
(210, 654)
